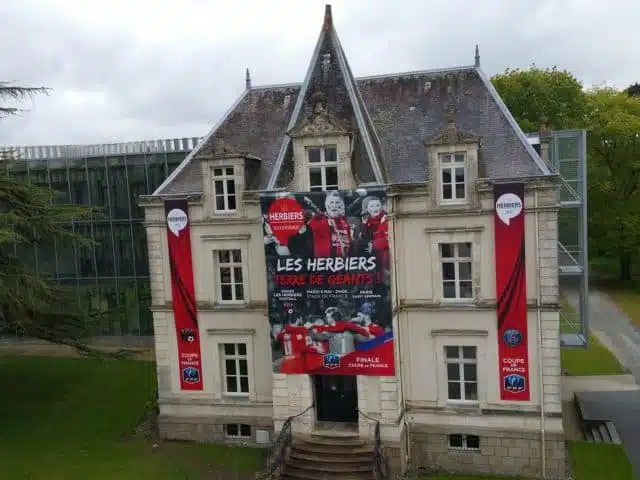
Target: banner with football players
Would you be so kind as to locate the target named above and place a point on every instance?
(327, 256)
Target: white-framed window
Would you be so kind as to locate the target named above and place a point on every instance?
(452, 177)
(230, 275)
(323, 168)
(224, 189)
(235, 369)
(456, 261)
(462, 373)
(460, 441)
(237, 430)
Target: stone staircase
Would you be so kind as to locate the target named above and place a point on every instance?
(329, 457)
(603, 432)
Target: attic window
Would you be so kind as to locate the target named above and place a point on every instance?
(323, 168)
(452, 177)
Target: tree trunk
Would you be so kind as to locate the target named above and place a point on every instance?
(625, 266)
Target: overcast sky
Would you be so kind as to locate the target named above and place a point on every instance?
(124, 70)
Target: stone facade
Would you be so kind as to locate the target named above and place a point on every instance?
(415, 412)
(514, 453)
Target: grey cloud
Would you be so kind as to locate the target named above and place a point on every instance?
(111, 85)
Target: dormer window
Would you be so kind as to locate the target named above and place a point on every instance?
(224, 189)
(323, 168)
(452, 177)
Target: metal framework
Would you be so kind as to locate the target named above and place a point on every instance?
(568, 158)
(112, 276)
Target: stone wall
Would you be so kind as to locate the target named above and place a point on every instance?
(210, 429)
(500, 453)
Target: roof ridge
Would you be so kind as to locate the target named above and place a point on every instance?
(512, 121)
(372, 77)
(354, 97)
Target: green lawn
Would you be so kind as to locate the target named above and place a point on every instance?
(626, 295)
(590, 461)
(594, 360)
(69, 418)
(593, 461)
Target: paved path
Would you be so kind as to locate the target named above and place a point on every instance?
(613, 328)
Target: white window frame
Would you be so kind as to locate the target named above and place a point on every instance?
(457, 260)
(239, 436)
(232, 265)
(322, 165)
(237, 358)
(465, 442)
(460, 362)
(227, 173)
(456, 160)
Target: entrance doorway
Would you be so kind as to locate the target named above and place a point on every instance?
(336, 398)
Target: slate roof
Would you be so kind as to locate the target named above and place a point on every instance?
(391, 116)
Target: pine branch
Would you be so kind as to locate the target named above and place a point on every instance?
(9, 91)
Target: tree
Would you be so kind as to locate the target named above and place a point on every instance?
(614, 175)
(535, 94)
(633, 90)
(30, 217)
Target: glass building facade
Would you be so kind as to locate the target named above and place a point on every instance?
(112, 276)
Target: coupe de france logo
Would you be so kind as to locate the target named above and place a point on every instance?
(331, 361)
(191, 375)
(514, 383)
(177, 221)
(512, 337)
(508, 206)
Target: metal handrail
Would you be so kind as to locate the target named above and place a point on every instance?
(277, 455)
(380, 467)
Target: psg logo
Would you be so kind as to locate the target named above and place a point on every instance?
(331, 361)
(512, 337)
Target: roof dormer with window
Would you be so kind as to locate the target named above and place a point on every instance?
(224, 170)
(321, 151)
(453, 166)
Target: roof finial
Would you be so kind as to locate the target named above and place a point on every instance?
(328, 18)
(477, 57)
(247, 80)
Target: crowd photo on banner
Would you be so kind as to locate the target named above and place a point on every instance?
(327, 256)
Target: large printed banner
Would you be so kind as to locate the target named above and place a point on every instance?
(327, 257)
(183, 294)
(511, 291)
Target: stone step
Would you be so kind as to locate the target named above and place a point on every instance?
(301, 474)
(604, 433)
(342, 468)
(613, 433)
(597, 438)
(347, 458)
(350, 441)
(315, 448)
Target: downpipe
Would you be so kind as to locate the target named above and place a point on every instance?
(397, 342)
(543, 440)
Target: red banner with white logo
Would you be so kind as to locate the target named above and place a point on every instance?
(183, 294)
(511, 292)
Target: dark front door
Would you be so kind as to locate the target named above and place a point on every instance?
(336, 398)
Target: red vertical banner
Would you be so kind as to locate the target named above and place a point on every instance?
(511, 291)
(183, 294)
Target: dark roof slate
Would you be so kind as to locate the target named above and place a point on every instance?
(394, 115)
